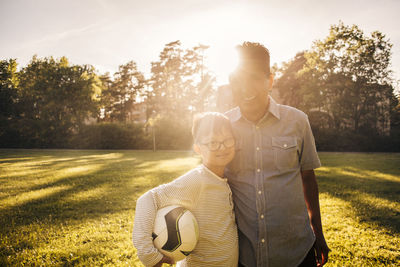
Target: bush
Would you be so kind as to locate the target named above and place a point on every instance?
(172, 133)
(332, 140)
(9, 136)
(111, 136)
(169, 134)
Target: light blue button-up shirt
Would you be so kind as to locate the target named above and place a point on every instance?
(265, 179)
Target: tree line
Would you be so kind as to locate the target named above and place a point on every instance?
(51, 103)
(345, 85)
(342, 82)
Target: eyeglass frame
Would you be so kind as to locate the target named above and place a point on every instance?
(219, 144)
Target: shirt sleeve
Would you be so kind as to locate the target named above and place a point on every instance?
(309, 159)
(143, 226)
(183, 191)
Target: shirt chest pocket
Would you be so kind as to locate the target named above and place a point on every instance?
(285, 152)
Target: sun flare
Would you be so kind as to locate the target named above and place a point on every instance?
(223, 63)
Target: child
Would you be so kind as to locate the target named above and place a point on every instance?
(204, 192)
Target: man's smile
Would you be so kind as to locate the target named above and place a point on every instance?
(249, 98)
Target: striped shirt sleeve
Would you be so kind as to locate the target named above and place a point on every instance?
(183, 191)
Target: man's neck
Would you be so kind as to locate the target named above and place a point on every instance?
(256, 116)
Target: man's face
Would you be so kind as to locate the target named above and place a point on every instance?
(217, 149)
(250, 91)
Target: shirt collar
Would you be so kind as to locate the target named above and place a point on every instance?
(273, 108)
(207, 170)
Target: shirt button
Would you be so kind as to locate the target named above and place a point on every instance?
(262, 216)
(258, 170)
(258, 148)
(259, 192)
(262, 240)
(284, 145)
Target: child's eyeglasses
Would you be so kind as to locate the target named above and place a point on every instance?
(215, 145)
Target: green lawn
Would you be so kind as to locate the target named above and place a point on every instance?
(70, 207)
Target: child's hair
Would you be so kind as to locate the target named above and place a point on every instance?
(209, 122)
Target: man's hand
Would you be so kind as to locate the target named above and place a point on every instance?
(310, 189)
(322, 250)
(165, 259)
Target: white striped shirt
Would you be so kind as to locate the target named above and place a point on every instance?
(209, 198)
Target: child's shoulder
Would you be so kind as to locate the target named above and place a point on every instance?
(193, 174)
(191, 179)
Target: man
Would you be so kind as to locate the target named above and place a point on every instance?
(272, 179)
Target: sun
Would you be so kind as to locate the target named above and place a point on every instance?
(222, 61)
(220, 28)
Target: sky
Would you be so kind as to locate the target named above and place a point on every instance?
(109, 33)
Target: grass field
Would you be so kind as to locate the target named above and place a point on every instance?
(73, 208)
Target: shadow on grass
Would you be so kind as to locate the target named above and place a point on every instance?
(113, 186)
(363, 184)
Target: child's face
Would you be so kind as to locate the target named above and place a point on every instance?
(217, 149)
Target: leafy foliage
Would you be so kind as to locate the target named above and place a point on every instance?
(53, 100)
(8, 88)
(343, 83)
(8, 100)
(180, 83)
(121, 93)
(111, 136)
(345, 86)
(171, 133)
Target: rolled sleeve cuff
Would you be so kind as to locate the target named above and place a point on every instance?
(151, 261)
(310, 165)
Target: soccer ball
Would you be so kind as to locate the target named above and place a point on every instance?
(175, 232)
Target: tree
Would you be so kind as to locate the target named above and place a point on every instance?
(395, 119)
(179, 86)
(289, 83)
(8, 100)
(199, 81)
(106, 99)
(180, 82)
(356, 76)
(345, 78)
(56, 99)
(8, 88)
(121, 93)
(167, 81)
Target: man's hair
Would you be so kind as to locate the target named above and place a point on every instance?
(254, 56)
(209, 122)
